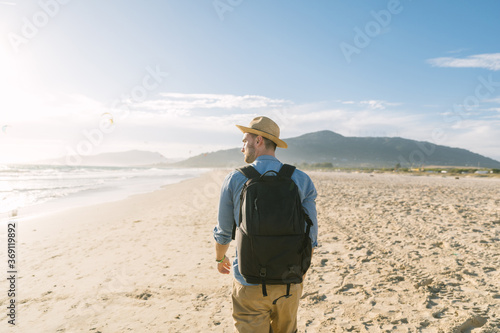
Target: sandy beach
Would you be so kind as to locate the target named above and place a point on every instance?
(397, 253)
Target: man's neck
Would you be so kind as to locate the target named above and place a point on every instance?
(266, 153)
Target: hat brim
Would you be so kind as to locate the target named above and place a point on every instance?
(279, 143)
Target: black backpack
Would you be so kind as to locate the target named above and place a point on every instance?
(272, 239)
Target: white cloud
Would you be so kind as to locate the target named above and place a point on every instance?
(489, 61)
(493, 100)
(38, 107)
(457, 51)
(478, 136)
(372, 103)
(185, 103)
(378, 105)
(355, 118)
(181, 125)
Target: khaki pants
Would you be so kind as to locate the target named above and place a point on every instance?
(254, 313)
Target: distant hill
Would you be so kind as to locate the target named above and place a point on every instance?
(341, 151)
(126, 158)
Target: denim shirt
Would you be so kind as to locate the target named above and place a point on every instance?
(229, 205)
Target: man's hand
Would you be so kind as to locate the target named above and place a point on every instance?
(224, 267)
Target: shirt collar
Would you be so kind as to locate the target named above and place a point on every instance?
(266, 158)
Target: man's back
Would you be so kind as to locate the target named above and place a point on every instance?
(272, 238)
(252, 310)
(229, 205)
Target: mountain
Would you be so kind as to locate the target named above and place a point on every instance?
(341, 151)
(126, 158)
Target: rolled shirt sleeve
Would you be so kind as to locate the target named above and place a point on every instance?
(308, 196)
(223, 230)
(229, 207)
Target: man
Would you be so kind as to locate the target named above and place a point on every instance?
(252, 312)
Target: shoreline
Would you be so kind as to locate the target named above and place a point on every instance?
(395, 253)
(90, 197)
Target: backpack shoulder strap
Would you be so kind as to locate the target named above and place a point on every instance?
(286, 171)
(249, 172)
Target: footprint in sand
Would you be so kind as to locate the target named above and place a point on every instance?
(424, 282)
(470, 324)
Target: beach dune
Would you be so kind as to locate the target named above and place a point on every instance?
(397, 253)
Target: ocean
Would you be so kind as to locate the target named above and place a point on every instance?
(29, 190)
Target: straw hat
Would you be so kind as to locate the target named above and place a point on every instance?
(265, 127)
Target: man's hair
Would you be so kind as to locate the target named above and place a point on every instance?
(268, 143)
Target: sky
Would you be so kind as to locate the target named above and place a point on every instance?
(86, 77)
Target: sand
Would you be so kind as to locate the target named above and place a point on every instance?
(397, 253)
